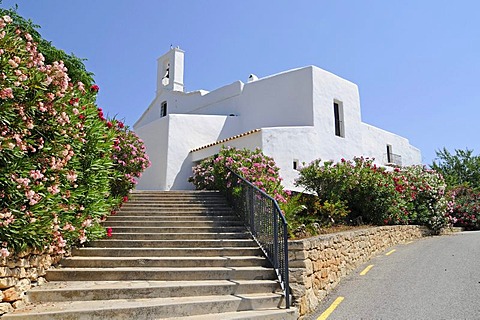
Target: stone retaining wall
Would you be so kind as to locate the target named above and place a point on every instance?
(317, 264)
(18, 274)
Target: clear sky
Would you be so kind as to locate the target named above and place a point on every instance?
(416, 62)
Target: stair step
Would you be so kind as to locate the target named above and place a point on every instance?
(114, 262)
(165, 274)
(204, 229)
(178, 236)
(172, 243)
(167, 252)
(265, 314)
(166, 214)
(148, 308)
(57, 291)
(149, 218)
(173, 224)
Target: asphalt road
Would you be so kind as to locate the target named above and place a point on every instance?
(432, 278)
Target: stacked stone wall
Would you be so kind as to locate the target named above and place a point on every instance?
(317, 264)
(19, 273)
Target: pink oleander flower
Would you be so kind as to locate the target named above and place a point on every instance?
(7, 19)
(71, 176)
(53, 189)
(6, 93)
(4, 252)
(109, 232)
(94, 88)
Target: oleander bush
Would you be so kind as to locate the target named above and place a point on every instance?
(63, 165)
(465, 208)
(254, 166)
(374, 195)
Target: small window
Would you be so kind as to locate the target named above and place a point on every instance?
(163, 109)
(295, 164)
(338, 116)
(389, 154)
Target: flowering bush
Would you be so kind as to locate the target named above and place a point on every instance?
(254, 166)
(56, 151)
(129, 158)
(465, 208)
(423, 194)
(375, 195)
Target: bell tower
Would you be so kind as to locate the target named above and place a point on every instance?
(170, 71)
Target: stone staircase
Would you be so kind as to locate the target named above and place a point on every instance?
(175, 255)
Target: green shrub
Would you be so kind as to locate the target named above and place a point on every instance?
(377, 196)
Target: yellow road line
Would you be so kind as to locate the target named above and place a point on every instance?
(390, 252)
(330, 309)
(364, 272)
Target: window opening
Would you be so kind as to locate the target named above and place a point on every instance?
(295, 164)
(389, 154)
(338, 115)
(163, 109)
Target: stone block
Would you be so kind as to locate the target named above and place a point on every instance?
(19, 273)
(12, 294)
(5, 272)
(300, 255)
(295, 245)
(7, 282)
(312, 301)
(308, 267)
(19, 304)
(32, 274)
(297, 264)
(23, 262)
(5, 307)
(23, 285)
(297, 290)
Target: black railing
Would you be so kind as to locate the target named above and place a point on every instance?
(265, 221)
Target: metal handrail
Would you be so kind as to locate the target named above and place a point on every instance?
(264, 219)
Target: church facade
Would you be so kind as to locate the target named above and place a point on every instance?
(295, 117)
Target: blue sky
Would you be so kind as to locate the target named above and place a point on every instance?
(416, 62)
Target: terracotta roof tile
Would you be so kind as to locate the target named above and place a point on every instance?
(226, 139)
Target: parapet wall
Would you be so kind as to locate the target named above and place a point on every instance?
(317, 264)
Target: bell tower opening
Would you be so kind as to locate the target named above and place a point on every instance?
(170, 71)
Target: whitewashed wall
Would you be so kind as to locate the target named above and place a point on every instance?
(293, 109)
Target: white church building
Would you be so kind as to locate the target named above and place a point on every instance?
(295, 117)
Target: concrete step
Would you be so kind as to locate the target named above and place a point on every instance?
(173, 204)
(149, 218)
(155, 308)
(219, 229)
(166, 252)
(188, 212)
(158, 273)
(265, 314)
(203, 262)
(180, 236)
(116, 243)
(57, 291)
(214, 201)
(173, 224)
